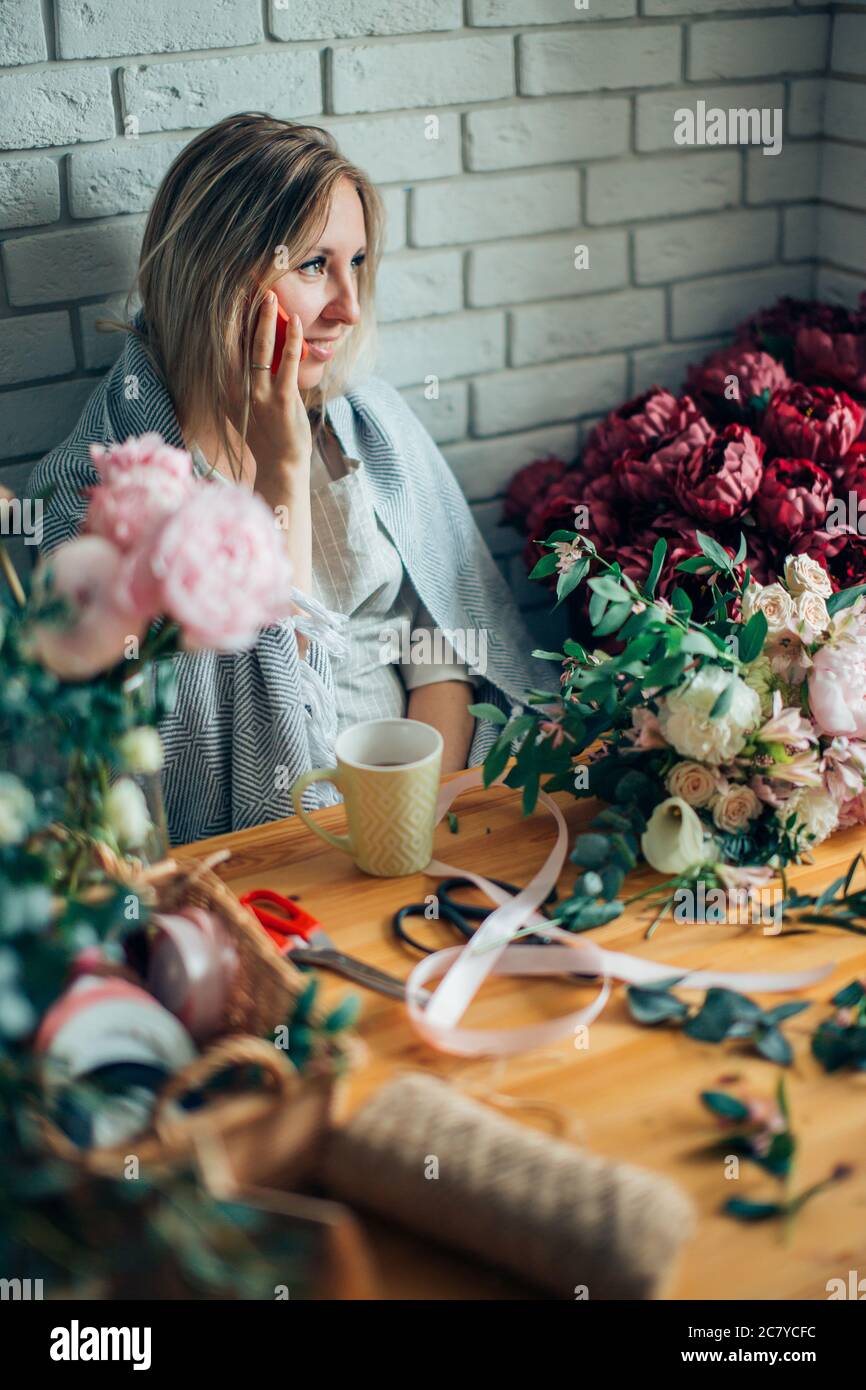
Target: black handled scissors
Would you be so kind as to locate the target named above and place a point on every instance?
(460, 915)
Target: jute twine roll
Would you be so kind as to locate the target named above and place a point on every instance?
(431, 1159)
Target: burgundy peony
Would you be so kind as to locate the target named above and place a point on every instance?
(529, 486)
(848, 565)
(839, 358)
(729, 380)
(641, 426)
(811, 422)
(716, 482)
(650, 479)
(793, 497)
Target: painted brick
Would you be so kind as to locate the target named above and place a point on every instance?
(843, 175)
(543, 268)
(600, 323)
(184, 95)
(789, 176)
(22, 37)
(55, 106)
(517, 12)
(447, 417)
(437, 73)
(35, 419)
(516, 400)
(719, 303)
(484, 468)
(413, 286)
(668, 184)
(101, 348)
(839, 287)
(547, 132)
(447, 347)
(800, 232)
(667, 366)
(350, 19)
(655, 110)
(849, 44)
(493, 205)
(394, 203)
(123, 178)
(29, 192)
(698, 245)
(599, 59)
(843, 238)
(34, 346)
(104, 28)
(759, 47)
(54, 266)
(502, 539)
(391, 149)
(672, 7)
(845, 111)
(806, 107)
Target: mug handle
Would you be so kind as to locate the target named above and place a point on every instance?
(319, 774)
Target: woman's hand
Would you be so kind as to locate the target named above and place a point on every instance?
(278, 432)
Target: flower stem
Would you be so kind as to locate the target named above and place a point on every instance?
(10, 574)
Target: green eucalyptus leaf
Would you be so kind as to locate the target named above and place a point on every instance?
(726, 1106)
(651, 1006)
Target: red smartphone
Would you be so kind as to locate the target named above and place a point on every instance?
(280, 339)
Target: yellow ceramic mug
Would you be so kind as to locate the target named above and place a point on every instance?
(388, 773)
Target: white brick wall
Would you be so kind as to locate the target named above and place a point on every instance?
(841, 230)
(555, 133)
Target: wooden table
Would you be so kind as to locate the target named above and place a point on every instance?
(633, 1094)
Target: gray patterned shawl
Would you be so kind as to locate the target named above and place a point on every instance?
(247, 724)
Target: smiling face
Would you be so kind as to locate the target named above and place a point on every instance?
(323, 287)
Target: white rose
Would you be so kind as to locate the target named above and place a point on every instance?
(803, 574)
(694, 782)
(141, 750)
(17, 810)
(733, 809)
(773, 601)
(817, 815)
(126, 814)
(674, 839)
(811, 614)
(685, 720)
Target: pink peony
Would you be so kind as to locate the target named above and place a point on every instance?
(716, 482)
(88, 574)
(730, 380)
(853, 811)
(793, 497)
(144, 483)
(218, 567)
(811, 422)
(837, 689)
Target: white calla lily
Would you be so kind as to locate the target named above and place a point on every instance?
(674, 839)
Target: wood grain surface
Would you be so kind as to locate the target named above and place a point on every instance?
(633, 1092)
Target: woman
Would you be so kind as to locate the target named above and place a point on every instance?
(256, 213)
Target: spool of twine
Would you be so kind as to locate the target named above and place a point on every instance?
(436, 1162)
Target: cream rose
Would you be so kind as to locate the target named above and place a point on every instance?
(126, 814)
(812, 616)
(17, 810)
(141, 750)
(805, 575)
(773, 601)
(694, 782)
(734, 808)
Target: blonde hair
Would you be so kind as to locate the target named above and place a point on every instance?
(242, 203)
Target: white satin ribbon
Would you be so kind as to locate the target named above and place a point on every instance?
(465, 968)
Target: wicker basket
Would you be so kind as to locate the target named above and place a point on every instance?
(270, 1135)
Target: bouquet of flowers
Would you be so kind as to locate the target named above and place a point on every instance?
(724, 747)
(766, 440)
(165, 562)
